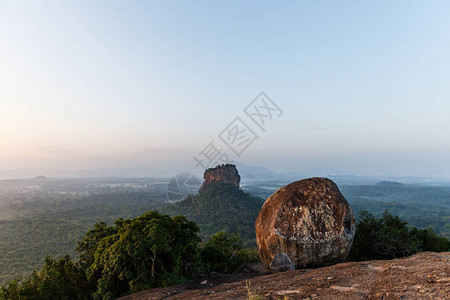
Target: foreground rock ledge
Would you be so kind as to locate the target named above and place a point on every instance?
(422, 276)
(307, 223)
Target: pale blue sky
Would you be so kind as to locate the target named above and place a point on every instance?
(365, 87)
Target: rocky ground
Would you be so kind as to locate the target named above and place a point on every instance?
(422, 276)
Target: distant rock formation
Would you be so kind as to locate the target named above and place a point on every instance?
(224, 173)
(309, 221)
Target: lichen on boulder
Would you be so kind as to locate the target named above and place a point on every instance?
(309, 221)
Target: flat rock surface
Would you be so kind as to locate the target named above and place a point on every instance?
(422, 276)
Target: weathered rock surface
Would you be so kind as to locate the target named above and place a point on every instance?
(422, 276)
(308, 220)
(281, 262)
(225, 173)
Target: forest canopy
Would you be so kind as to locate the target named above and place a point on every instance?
(155, 250)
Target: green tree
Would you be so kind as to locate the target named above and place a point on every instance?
(430, 241)
(58, 279)
(87, 247)
(140, 253)
(220, 254)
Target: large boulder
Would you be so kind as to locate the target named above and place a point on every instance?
(309, 221)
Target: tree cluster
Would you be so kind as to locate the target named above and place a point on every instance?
(389, 237)
(156, 250)
(133, 254)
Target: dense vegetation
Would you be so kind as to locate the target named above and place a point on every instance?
(220, 206)
(224, 253)
(52, 219)
(155, 250)
(133, 254)
(389, 237)
(54, 227)
(422, 206)
(58, 279)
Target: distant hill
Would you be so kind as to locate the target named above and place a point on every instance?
(219, 206)
(390, 184)
(40, 178)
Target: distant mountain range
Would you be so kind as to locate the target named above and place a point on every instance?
(248, 174)
(27, 173)
(258, 173)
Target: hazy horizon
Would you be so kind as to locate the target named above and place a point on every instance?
(363, 87)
